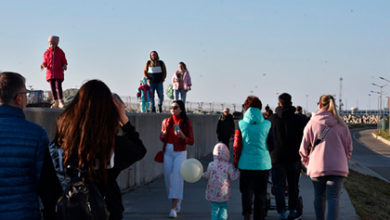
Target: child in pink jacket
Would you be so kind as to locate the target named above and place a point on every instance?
(326, 162)
(219, 174)
(55, 63)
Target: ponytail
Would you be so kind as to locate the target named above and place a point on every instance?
(328, 103)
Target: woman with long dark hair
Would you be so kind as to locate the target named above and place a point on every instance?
(176, 133)
(87, 133)
(325, 151)
(155, 72)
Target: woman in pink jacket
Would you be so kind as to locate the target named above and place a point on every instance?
(55, 63)
(325, 150)
(181, 82)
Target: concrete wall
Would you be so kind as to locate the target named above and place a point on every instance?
(148, 126)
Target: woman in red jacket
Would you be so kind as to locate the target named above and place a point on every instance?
(55, 63)
(176, 133)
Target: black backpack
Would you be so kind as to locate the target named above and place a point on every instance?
(81, 199)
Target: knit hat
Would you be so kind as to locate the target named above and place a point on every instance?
(53, 38)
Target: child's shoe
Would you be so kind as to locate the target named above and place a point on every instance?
(172, 214)
(283, 216)
(61, 104)
(294, 215)
(55, 104)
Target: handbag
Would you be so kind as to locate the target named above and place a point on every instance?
(159, 158)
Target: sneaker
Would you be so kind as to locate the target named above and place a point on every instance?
(294, 215)
(172, 214)
(283, 216)
(178, 206)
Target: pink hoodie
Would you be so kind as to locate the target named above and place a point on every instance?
(331, 155)
(220, 172)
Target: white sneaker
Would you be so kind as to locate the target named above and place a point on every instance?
(172, 214)
(178, 206)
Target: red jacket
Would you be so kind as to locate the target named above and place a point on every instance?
(179, 143)
(54, 62)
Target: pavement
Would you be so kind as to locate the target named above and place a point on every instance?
(150, 202)
(370, 155)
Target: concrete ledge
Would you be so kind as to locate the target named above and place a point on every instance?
(381, 138)
(148, 125)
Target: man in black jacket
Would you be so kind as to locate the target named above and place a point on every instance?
(284, 141)
(225, 127)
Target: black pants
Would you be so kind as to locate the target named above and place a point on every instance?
(253, 183)
(56, 88)
(281, 172)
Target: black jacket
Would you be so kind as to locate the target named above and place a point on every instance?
(285, 135)
(225, 127)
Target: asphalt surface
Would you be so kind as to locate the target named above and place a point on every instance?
(150, 202)
(371, 153)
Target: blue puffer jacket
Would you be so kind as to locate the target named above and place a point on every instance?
(22, 147)
(254, 130)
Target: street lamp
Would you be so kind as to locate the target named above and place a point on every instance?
(379, 110)
(380, 95)
(384, 79)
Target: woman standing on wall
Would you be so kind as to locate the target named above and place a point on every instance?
(87, 134)
(155, 72)
(176, 133)
(252, 157)
(181, 82)
(327, 158)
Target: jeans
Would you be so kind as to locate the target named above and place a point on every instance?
(281, 172)
(329, 188)
(183, 94)
(219, 210)
(253, 183)
(160, 92)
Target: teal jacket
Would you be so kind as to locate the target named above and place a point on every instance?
(254, 130)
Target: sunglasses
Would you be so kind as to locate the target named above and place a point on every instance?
(174, 107)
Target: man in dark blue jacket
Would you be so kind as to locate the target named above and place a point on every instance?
(26, 169)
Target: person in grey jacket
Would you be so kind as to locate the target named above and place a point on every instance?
(26, 169)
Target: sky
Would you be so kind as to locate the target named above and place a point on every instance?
(232, 48)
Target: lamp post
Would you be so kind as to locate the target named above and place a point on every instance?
(384, 79)
(379, 110)
(380, 95)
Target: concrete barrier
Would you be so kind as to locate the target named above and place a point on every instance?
(148, 126)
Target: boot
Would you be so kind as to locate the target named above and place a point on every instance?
(55, 104)
(247, 217)
(160, 108)
(61, 104)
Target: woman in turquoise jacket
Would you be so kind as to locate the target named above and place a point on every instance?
(253, 159)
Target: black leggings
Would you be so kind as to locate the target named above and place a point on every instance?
(56, 88)
(253, 187)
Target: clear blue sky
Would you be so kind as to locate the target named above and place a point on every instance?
(232, 48)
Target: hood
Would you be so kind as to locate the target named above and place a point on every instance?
(285, 112)
(324, 117)
(221, 152)
(224, 117)
(253, 116)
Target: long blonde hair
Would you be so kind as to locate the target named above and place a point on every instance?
(328, 103)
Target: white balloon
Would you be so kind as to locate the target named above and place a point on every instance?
(191, 170)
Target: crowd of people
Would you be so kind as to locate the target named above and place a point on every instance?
(95, 141)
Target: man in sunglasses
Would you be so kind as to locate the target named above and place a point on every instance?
(26, 169)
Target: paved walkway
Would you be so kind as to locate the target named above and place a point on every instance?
(150, 202)
(371, 154)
